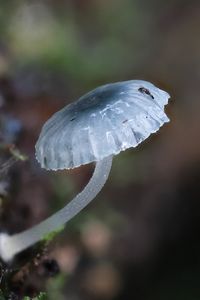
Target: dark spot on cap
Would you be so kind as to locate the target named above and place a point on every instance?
(145, 91)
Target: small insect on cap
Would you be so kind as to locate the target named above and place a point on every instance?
(104, 122)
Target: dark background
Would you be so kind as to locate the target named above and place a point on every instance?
(139, 239)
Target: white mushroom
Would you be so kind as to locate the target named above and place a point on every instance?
(102, 123)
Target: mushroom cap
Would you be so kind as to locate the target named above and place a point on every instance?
(103, 122)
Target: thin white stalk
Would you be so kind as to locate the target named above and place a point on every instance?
(14, 244)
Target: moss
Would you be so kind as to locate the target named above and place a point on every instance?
(41, 296)
(50, 236)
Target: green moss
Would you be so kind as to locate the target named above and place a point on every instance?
(41, 296)
(50, 236)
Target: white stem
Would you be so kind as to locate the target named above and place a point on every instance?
(11, 245)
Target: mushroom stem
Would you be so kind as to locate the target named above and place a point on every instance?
(14, 244)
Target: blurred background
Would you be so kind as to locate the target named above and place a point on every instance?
(140, 238)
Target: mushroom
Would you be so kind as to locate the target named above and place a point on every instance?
(102, 123)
